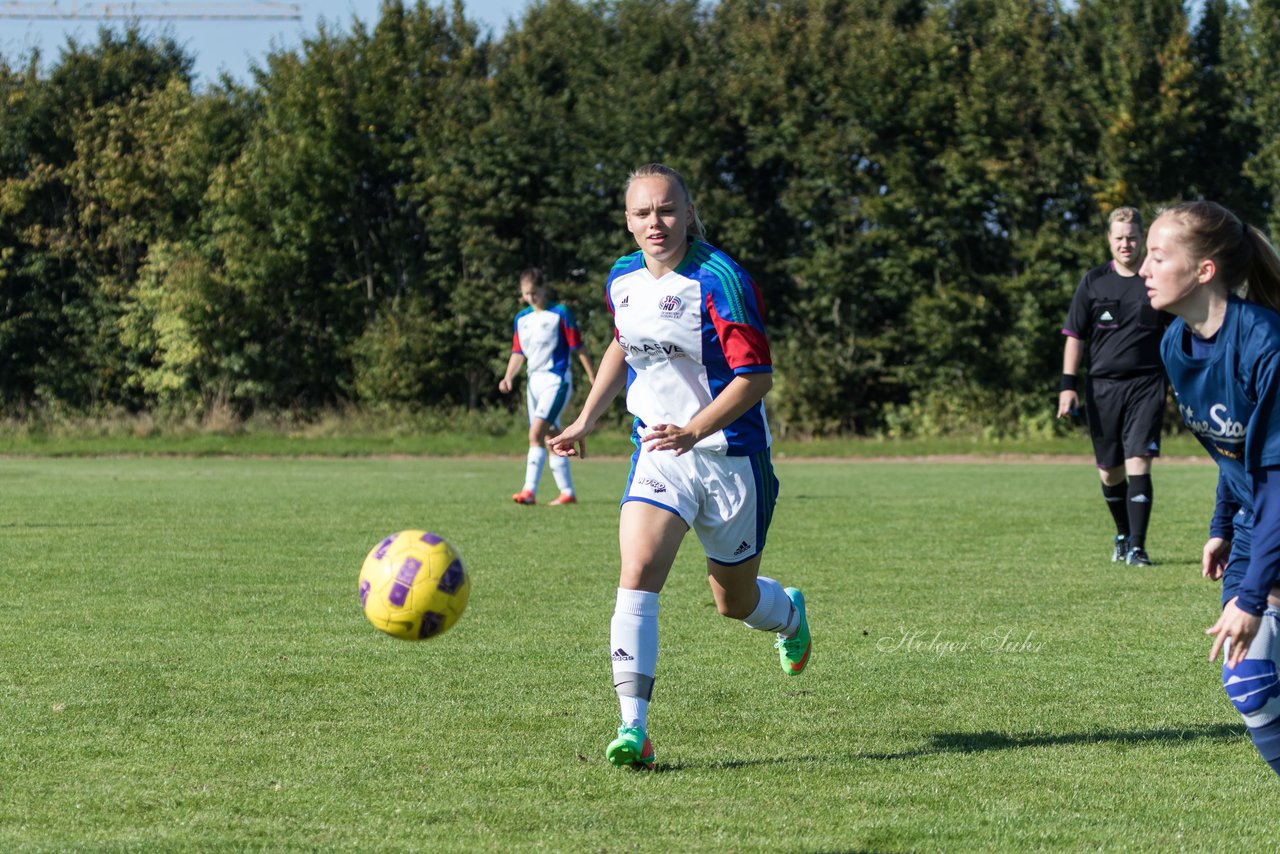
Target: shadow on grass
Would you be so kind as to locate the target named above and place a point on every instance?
(981, 742)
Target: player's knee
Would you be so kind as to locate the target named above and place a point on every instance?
(1253, 687)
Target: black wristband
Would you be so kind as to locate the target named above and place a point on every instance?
(1069, 382)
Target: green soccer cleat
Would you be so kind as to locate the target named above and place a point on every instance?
(793, 652)
(631, 749)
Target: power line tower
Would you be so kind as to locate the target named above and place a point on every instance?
(254, 10)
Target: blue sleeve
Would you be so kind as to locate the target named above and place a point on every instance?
(1225, 509)
(1264, 557)
(1262, 437)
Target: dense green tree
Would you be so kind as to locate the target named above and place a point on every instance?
(1259, 100)
(74, 231)
(917, 185)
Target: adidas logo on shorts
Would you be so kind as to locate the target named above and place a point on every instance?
(742, 548)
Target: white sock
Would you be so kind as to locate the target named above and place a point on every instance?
(533, 468)
(560, 471)
(633, 641)
(774, 612)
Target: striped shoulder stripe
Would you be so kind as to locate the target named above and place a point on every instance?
(625, 262)
(731, 280)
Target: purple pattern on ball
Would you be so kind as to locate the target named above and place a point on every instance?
(364, 593)
(404, 579)
(431, 623)
(383, 546)
(431, 539)
(452, 578)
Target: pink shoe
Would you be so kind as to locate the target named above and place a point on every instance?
(524, 496)
(565, 498)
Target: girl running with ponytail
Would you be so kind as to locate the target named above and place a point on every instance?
(1221, 278)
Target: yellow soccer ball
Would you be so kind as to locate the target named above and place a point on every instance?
(413, 586)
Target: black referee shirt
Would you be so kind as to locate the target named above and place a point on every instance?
(1113, 315)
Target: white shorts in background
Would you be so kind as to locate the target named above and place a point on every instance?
(727, 501)
(546, 394)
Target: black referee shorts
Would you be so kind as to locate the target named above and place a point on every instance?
(1125, 417)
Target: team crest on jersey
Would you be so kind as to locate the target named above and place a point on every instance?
(670, 306)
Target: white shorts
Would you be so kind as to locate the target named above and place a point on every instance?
(728, 501)
(546, 394)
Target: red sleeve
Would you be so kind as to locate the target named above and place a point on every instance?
(744, 345)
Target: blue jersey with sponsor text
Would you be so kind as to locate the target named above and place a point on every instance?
(1229, 399)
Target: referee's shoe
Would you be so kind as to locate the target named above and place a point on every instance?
(1121, 550)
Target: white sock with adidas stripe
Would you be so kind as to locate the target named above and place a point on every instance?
(633, 642)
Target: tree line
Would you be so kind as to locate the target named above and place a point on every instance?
(917, 185)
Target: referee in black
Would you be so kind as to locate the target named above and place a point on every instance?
(1112, 317)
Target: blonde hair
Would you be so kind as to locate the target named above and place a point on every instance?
(1247, 262)
(660, 170)
(1125, 214)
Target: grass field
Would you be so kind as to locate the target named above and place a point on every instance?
(183, 667)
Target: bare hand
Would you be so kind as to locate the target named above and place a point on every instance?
(1068, 404)
(1236, 626)
(1214, 560)
(504, 385)
(668, 437)
(569, 442)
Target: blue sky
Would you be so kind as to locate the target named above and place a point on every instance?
(229, 46)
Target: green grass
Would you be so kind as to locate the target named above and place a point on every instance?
(183, 667)
(455, 434)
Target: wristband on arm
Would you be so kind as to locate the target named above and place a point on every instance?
(1069, 382)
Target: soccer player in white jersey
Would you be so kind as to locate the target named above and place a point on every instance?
(690, 347)
(545, 336)
(1221, 280)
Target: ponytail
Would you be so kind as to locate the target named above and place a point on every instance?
(1262, 285)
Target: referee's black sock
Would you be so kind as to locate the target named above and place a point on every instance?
(1139, 509)
(1116, 497)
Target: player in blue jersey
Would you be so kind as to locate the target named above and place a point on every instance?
(545, 337)
(1221, 279)
(690, 348)
(1112, 321)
